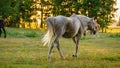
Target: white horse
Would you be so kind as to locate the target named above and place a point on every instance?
(69, 27)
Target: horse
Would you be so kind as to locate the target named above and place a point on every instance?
(2, 27)
(68, 27)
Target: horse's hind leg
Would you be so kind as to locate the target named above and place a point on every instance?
(52, 45)
(50, 50)
(58, 47)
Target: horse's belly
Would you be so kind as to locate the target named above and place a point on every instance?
(68, 34)
(71, 30)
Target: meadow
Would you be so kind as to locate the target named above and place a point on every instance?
(23, 49)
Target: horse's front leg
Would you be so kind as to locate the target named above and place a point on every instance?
(76, 40)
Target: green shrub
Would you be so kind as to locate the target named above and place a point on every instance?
(13, 33)
(117, 35)
(31, 34)
(21, 32)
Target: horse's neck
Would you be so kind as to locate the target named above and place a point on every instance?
(84, 19)
(84, 23)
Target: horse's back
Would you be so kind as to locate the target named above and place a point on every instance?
(83, 18)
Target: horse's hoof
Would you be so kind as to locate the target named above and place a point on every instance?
(74, 55)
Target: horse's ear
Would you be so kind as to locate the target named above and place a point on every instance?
(93, 18)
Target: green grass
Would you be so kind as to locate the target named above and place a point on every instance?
(22, 33)
(23, 49)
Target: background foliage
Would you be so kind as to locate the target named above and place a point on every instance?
(15, 10)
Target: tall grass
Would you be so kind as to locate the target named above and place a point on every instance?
(23, 49)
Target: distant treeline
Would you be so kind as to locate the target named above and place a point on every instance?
(16, 12)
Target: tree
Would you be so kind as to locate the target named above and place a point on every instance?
(13, 10)
(103, 10)
(8, 11)
(25, 9)
(65, 7)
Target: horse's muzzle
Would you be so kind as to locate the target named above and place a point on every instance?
(94, 32)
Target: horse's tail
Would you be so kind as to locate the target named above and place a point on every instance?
(48, 36)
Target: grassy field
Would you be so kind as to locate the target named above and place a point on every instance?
(23, 49)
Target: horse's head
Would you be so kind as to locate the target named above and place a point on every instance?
(92, 25)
